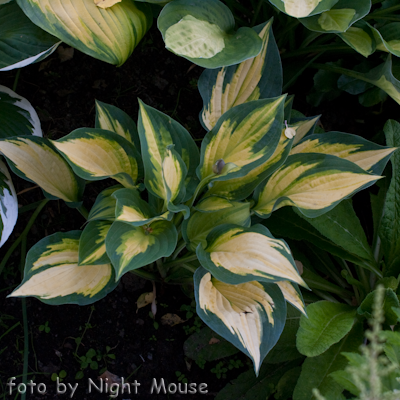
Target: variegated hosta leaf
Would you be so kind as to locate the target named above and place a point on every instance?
(92, 244)
(8, 204)
(104, 206)
(314, 183)
(111, 118)
(96, 154)
(235, 254)
(380, 76)
(21, 41)
(173, 171)
(303, 8)
(245, 136)
(292, 294)
(387, 38)
(17, 116)
(131, 209)
(360, 37)
(203, 32)
(157, 131)
(200, 224)
(52, 273)
(107, 34)
(213, 203)
(259, 77)
(106, 3)
(303, 126)
(35, 159)
(160, 2)
(132, 247)
(339, 18)
(250, 315)
(367, 155)
(240, 188)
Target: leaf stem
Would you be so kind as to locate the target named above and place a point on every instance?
(25, 321)
(16, 79)
(189, 257)
(84, 212)
(180, 246)
(325, 296)
(316, 49)
(145, 275)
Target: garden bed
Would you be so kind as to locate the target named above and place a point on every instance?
(129, 343)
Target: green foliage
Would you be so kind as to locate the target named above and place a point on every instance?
(212, 216)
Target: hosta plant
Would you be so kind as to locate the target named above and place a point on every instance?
(180, 214)
(170, 217)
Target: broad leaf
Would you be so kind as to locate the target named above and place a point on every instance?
(342, 226)
(17, 116)
(212, 204)
(339, 18)
(389, 231)
(303, 126)
(288, 224)
(242, 187)
(235, 254)
(250, 315)
(104, 206)
(315, 372)
(367, 155)
(203, 32)
(360, 37)
(206, 345)
(387, 38)
(96, 154)
(256, 78)
(249, 386)
(326, 324)
(92, 245)
(132, 247)
(21, 41)
(380, 76)
(107, 34)
(131, 209)
(390, 301)
(35, 159)
(111, 118)
(314, 183)
(8, 204)
(303, 8)
(285, 349)
(245, 137)
(292, 295)
(200, 224)
(52, 273)
(157, 132)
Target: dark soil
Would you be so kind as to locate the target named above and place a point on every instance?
(63, 94)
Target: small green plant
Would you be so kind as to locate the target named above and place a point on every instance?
(220, 370)
(235, 363)
(61, 375)
(375, 373)
(181, 377)
(45, 327)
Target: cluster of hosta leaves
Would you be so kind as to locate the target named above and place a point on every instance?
(369, 28)
(201, 30)
(17, 117)
(178, 210)
(349, 20)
